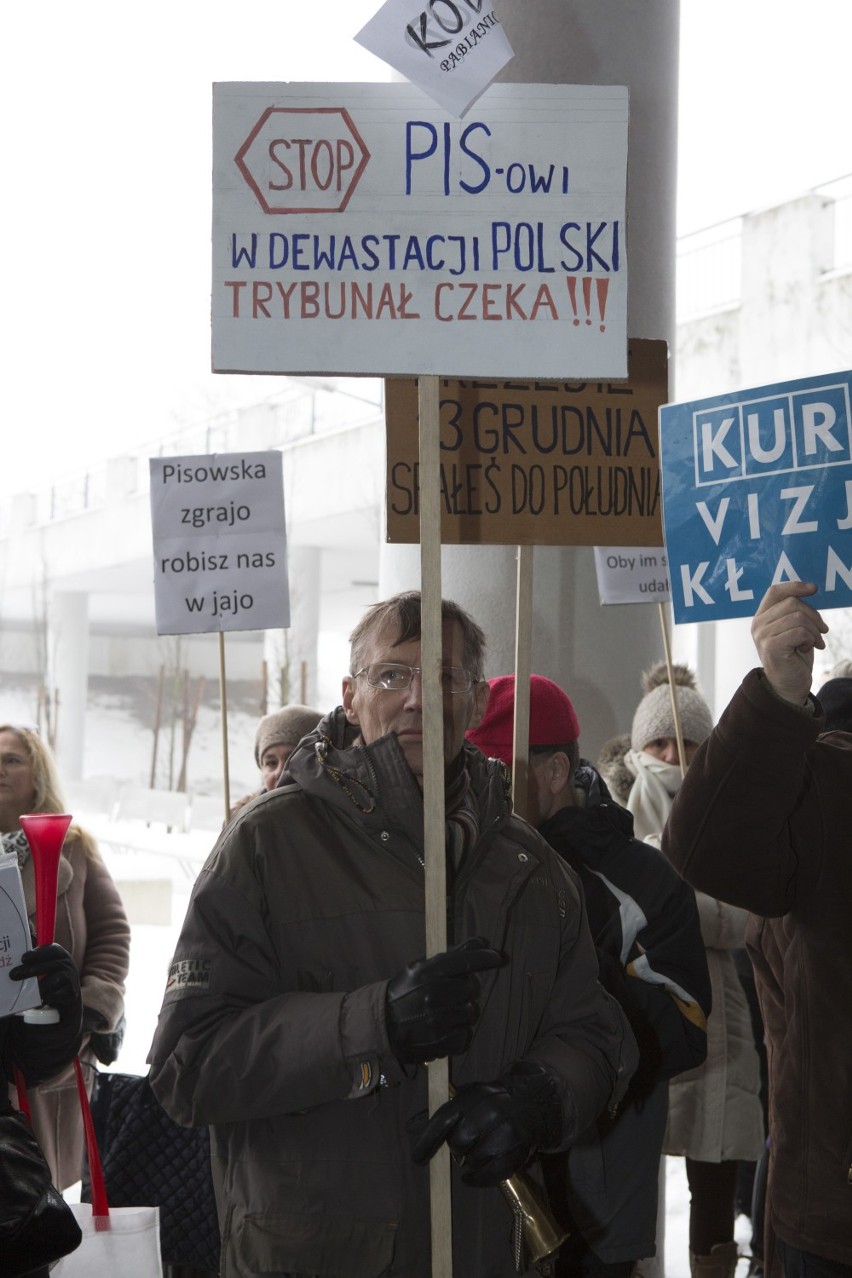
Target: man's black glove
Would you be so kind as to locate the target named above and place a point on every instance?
(432, 1006)
(493, 1129)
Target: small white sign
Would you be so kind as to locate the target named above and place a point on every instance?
(451, 49)
(220, 543)
(15, 940)
(632, 574)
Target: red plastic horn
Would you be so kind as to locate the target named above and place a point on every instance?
(45, 833)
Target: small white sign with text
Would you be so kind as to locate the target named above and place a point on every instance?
(632, 574)
(220, 543)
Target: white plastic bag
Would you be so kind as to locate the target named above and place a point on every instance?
(124, 1244)
(118, 1242)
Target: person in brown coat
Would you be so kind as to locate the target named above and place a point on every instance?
(762, 820)
(91, 924)
(715, 1116)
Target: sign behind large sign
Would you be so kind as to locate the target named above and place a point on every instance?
(536, 462)
(361, 229)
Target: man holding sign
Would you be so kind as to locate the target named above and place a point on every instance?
(762, 820)
(298, 1015)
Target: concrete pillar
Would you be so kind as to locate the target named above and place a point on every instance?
(298, 646)
(24, 507)
(305, 583)
(596, 653)
(68, 661)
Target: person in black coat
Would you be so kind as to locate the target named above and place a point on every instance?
(644, 922)
(39, 1051)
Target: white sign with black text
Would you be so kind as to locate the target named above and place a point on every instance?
(220, 543)
(632, 574)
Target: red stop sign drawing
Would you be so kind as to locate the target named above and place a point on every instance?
(303, 159)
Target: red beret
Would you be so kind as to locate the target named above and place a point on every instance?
(553, 719)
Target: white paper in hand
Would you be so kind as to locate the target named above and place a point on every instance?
(15, 940)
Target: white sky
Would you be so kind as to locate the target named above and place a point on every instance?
(106, 155)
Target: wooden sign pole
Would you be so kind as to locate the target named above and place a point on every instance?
(523, 660)
(223, 699)
(433, 785)
(672, 692)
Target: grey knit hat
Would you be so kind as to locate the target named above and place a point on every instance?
(284, 727)
(654, 715)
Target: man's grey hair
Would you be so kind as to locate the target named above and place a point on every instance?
(401, 613)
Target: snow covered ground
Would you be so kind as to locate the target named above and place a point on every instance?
(119, 734)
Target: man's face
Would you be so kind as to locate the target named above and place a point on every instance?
(377, 712)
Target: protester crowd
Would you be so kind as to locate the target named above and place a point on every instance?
(587, 1001)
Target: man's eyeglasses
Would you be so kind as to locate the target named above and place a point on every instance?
(396, 678)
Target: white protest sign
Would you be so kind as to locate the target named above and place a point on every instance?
(632, 574)
(360, 229)
(220, 545)
(15, 940)
(452, 49)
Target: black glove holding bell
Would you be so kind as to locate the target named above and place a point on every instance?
(433, 1004)
(493, 1129)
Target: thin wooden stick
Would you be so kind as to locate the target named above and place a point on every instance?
(523, 661)
(223, 698)
(681, 754)
(433, 785)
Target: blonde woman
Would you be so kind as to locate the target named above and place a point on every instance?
(90, 923)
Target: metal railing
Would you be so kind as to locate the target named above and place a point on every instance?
(709, 262)
(306, 411)
(709, 270)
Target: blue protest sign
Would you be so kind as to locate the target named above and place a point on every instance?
(757, 489)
